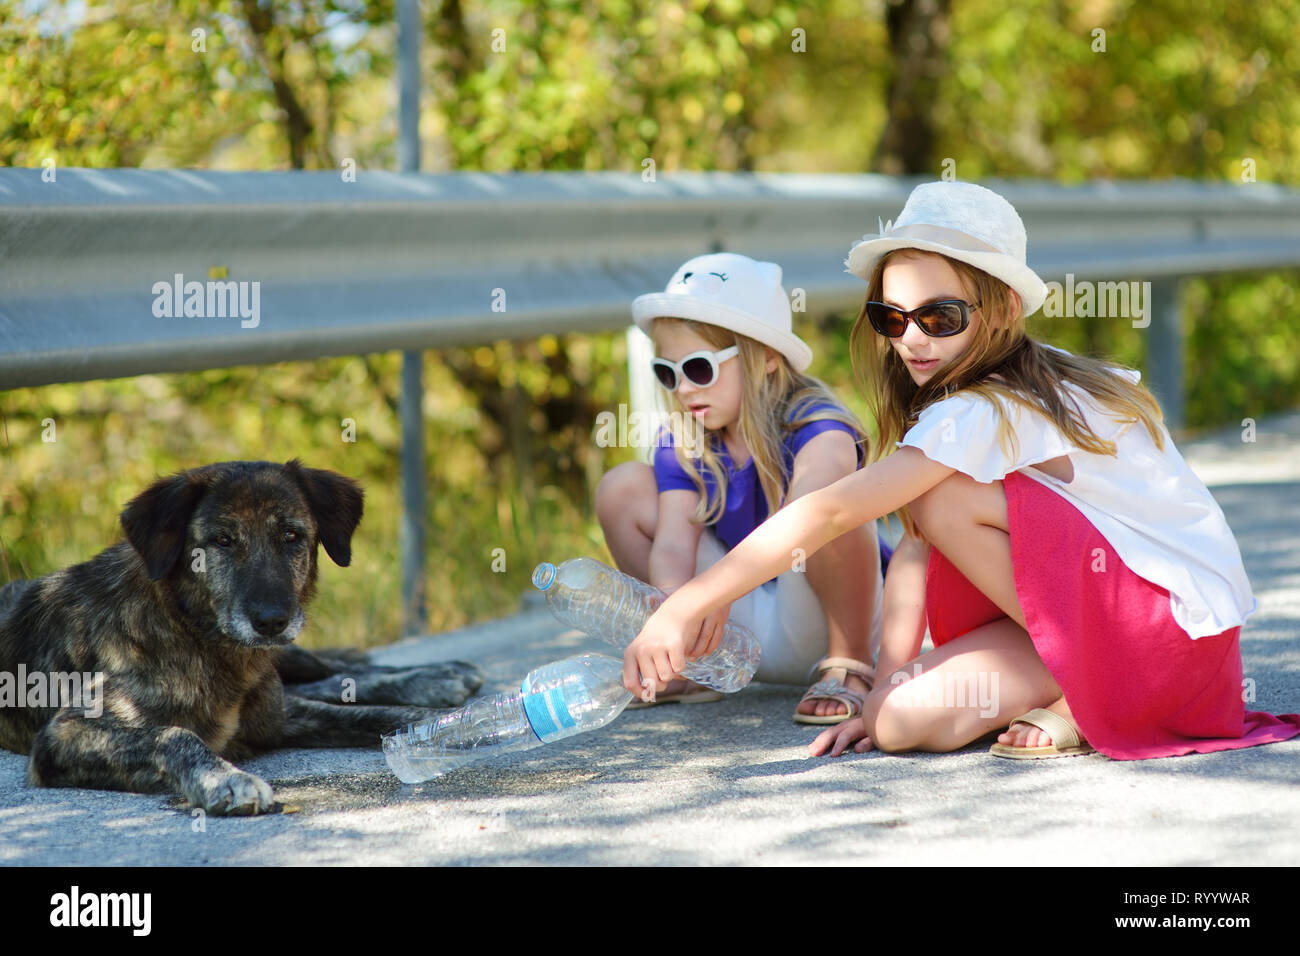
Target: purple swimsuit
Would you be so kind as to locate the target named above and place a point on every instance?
(746, 507)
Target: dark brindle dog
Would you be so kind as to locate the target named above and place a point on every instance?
(189, 621)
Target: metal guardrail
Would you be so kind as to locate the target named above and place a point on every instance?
(407, 261)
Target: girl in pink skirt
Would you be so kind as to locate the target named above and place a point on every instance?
(1081, 586)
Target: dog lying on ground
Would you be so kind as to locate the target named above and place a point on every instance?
(184, 633)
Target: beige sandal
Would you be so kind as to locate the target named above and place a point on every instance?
(1066, 741)
(832, 687)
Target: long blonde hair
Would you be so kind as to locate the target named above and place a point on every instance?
(772, 405)
(1032, 373)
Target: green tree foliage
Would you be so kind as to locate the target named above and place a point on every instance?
(237, 84)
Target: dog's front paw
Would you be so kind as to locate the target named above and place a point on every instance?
(231, 793)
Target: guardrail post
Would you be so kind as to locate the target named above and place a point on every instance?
(1164, 341)
(640, 385)
(411, 404)
(414, 506)
(408, 88)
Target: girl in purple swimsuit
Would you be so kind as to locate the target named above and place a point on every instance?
(749, 432)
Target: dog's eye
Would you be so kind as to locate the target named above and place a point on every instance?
(224, 540)
(291, 536)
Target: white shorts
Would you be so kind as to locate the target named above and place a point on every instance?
(787, 617)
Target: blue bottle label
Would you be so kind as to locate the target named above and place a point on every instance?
(548, 713)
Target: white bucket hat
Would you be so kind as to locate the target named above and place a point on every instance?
(731, 291)
(962, 221)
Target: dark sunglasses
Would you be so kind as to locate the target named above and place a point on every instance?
(937, 319)
(698, 368)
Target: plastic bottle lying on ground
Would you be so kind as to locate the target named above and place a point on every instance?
(613, 606)
(554, 701)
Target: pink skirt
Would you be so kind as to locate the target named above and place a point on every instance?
(1137, 685)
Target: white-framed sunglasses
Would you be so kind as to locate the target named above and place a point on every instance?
(698, 368)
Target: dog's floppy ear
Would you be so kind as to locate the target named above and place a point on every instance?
(335, 503)
(155, 521)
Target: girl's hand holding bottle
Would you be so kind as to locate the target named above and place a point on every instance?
(711, 633)
(667, 643)
(658, 654)
(709, 638)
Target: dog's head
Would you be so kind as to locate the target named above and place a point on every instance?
(237, 540)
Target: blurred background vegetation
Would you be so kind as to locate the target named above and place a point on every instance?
(1181, 89)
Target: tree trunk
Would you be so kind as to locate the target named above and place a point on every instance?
(298, 127)
(918, 41)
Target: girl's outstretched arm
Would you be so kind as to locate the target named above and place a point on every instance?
(807, 523)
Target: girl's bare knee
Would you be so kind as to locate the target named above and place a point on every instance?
(923, 508)
(892, 723)
(619, 487)
(937, 504)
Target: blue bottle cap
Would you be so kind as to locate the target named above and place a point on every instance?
(543, 575)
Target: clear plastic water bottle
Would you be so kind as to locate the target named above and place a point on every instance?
(554, 701)
(613, 606)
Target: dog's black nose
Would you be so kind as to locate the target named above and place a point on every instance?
(269, 621)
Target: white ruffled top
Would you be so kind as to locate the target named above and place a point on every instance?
(1148, 504)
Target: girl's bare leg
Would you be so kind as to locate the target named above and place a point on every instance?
(627, 506)
(967, 521)
(843, 576)
(960, 691)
